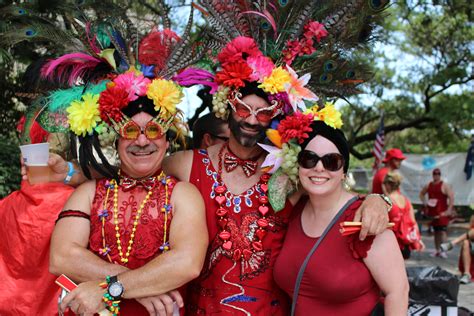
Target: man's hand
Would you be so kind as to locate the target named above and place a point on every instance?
(373, 215)
(86, 298)
(57, 165)
(162, 305)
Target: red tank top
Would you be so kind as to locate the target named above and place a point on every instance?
(149, 236)
(242, 286)
(435, 193)
(396, 215)
(336, 280)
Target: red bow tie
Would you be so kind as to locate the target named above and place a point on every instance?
(231, 162)
(128, 183)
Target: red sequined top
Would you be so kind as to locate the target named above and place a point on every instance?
(241, 286)
(148, 241)
(336, 281)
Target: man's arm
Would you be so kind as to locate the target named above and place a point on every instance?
(450, 193)
(373, 213)
(179, 165)
(422, 194)
(69, 254)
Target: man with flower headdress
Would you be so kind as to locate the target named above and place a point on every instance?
(137, 233)
(252, 89)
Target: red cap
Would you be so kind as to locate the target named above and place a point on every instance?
(394, 153)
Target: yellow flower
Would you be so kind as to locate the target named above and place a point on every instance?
(328, 114)
(276, 81)
(165, 95)
(84, 115)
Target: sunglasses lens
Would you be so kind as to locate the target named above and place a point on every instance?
(307, 159)
(332, 162)
(241, 110)
(153, 130)
(265, 116)
(130, 131)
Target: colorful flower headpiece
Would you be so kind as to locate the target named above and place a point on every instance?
(242, 62)
(286, 136)
(89, 113)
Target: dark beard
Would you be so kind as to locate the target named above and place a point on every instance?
(244, 139)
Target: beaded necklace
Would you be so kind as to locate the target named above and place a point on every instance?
(222, 216)
(103, 214)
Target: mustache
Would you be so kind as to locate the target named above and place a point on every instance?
(142, 149)
(256, 127)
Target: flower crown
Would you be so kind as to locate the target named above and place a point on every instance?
(94, 110)
(286, 136)
(241, 62)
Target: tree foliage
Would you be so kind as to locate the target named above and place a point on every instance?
(423, 81)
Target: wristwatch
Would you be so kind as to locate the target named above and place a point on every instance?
(386, 200)
(114, 288)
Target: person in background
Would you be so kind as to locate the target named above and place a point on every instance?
(393, 160)
(402, 215)
(466, 264)
(209, 130)
(344, 276)
(439, 205)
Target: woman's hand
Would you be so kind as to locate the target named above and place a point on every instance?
(162, 305)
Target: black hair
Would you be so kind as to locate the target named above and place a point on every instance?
(336, 136)
(252, 88)
(208, 123)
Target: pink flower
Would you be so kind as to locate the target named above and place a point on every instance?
(261, 66)
(296, 89)
(134, 85)
(315, 29)
(239, 49)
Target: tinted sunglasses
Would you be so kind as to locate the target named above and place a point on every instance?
(263, 115)
(331, 162)
(436, 173)
(131, 130)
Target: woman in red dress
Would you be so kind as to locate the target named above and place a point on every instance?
(344, 276)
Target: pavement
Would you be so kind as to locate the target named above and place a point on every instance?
(423, 259)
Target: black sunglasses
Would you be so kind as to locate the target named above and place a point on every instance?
(331, 162)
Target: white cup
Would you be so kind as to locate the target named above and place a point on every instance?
(35, 157)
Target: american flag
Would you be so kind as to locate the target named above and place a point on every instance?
(379, 145)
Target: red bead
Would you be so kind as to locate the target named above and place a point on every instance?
(220, 199)
(247, 254)
(264, 187)
(224, 235)
(263, 199)
(220, 189)
(262, 222)
(263, 209)
(227, 245)
(222, 222)
(237, 254)
(260, 233)
(221, 212)
(265, 177)
(257, 245)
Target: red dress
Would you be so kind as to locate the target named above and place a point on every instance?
(440, 201)
(243, 286)
(149, 236)
(27, 219)
(378, 180)
(336, 280)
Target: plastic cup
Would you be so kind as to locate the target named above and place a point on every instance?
(35, 157)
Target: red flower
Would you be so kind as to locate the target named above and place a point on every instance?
(315, 29)
(233, 74)
(295, 126)
(292, 50)
(111, 102)
(238, 50)
(307, 47)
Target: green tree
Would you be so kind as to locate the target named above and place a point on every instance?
(423, 81)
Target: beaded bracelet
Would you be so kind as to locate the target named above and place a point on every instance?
(111, 305)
